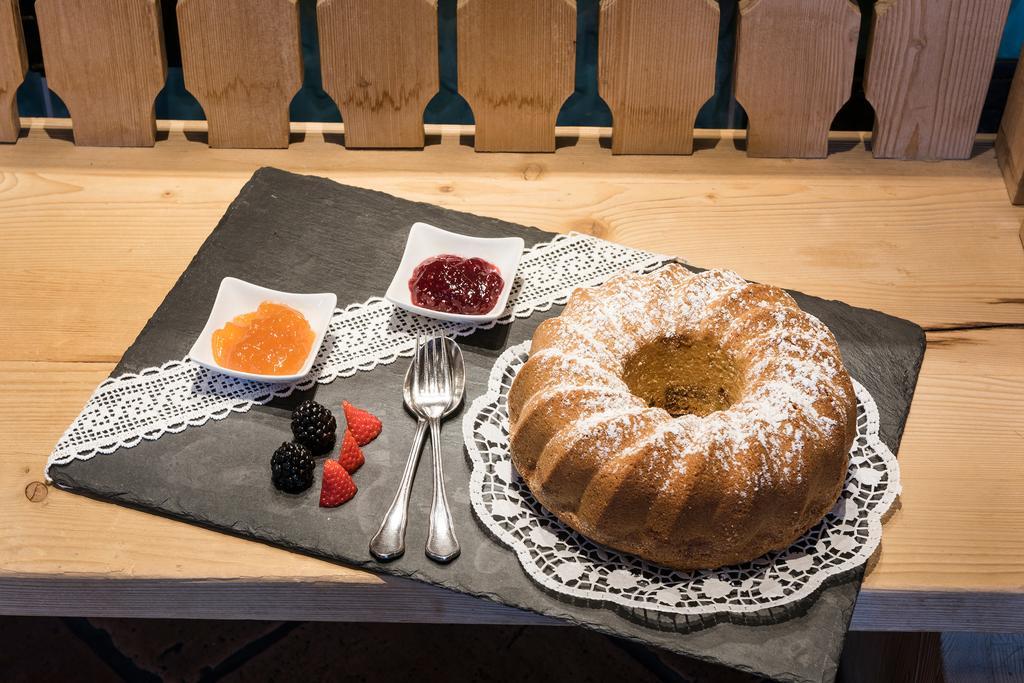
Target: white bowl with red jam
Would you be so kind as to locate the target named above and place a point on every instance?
(262, 334)
(455, 277)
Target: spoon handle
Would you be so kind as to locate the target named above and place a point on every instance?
(389, 542)
(442, 546)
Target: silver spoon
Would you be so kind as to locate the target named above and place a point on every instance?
(448, 380)
(389, 541)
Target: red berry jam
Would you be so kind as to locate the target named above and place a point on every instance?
(452, 284)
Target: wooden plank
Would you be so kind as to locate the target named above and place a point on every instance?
(340, 597)
(973, 657)
(379, 63)
(1010, 140)
(904, 657)
(516, 66)
(794, 70)
(13, 66)
(939, 610)
(327, 598)
(656, 68)
(106, 61)
(126, 224)
(962, 507)
(937, 552)
(179, 153)
(928, 68)
(133, 221)
(242, 59)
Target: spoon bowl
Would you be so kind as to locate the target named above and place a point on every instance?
(458, 367)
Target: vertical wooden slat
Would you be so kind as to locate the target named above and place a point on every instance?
(656, 68)
(516, 66)
(903, 657)
(1010, 140)
(13, 65)
(242, 59)
(379, 62)
(928, 70)
(794, 70)
(106, 61)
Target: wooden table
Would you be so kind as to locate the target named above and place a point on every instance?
(92, 239)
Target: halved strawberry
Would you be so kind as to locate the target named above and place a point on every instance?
(364, 426)
(337, 486)
(351, 457)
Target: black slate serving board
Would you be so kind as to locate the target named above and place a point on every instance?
(309, 234)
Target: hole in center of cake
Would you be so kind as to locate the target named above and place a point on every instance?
(683, 375)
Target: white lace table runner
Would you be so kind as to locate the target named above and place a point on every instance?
(565, 562)
(179, 394)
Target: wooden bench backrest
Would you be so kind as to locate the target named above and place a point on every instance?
(928, 67)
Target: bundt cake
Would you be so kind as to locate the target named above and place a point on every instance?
(693, 419)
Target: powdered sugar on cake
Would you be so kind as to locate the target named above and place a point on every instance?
(790, 393)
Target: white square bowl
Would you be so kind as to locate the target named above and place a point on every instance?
(235, 297)
(427, 240)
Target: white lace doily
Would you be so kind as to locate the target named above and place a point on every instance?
(565, 562)
(179, 394)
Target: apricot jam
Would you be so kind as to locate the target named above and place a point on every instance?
(452, 284)
(272, 340)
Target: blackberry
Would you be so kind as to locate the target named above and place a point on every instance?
(314, 426)
(291, 468)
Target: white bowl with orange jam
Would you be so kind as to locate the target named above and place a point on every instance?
(263, 334)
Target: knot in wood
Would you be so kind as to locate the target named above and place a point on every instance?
(36, 491)
(532, 171)
(592, 226)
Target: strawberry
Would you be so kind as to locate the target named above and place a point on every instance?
(364, 426)
(351, 457)
(337, 486)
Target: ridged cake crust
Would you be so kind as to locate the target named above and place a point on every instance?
(688, 491)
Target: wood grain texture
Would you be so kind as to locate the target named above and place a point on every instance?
(794, 70)
(242, 59)
(962, 507)
(928, 68)
(966, 611)
(792, 217)
(13, 66)
(656, 68)
(968, 657)
(949, 559)
(65, 541)
(106, 61)
(516, 66)
(337, 594)
(379, 63)
(904, 657)
(1010, 141)
(127, 224)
